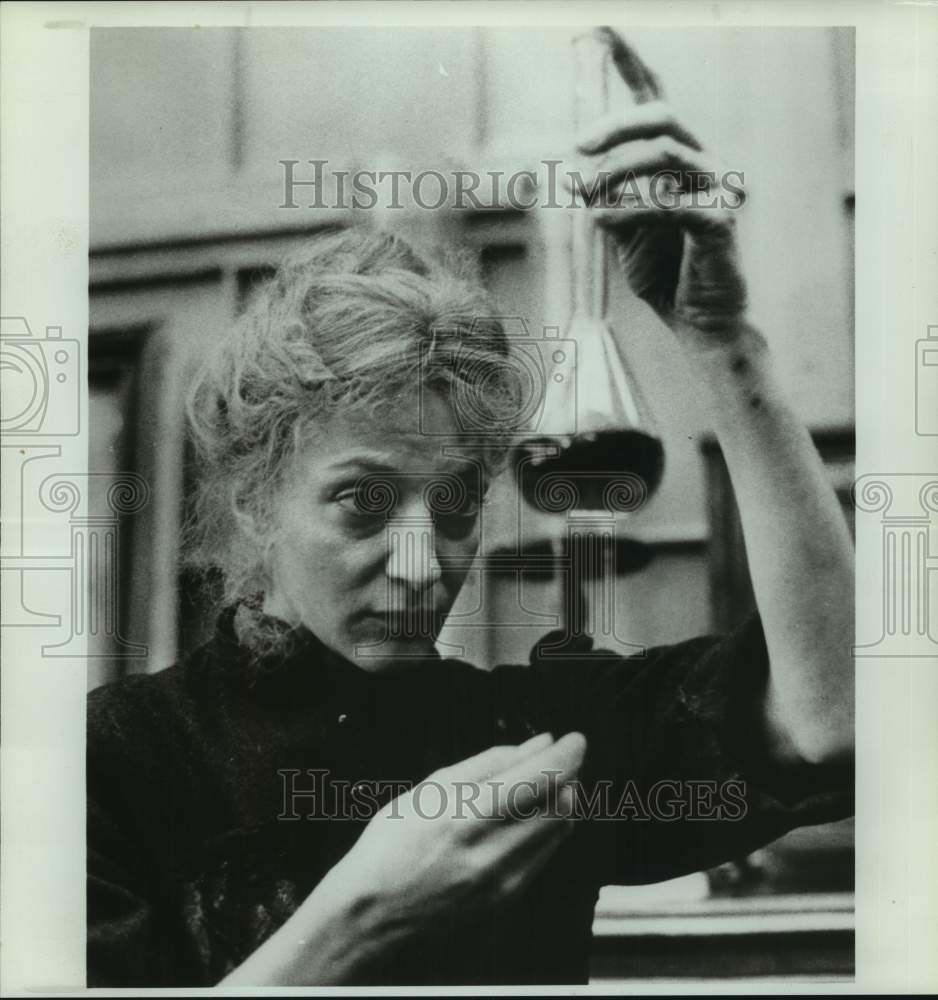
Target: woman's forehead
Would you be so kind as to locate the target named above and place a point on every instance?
(390, 439)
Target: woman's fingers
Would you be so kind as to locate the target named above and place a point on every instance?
(662, 154)
(513, 843)
(654, 172)
(565, 755)
(644, 121)
(480, 766)
(484, 765)
(708, 221)
(535, 745)
(511, 783)
(522, 789)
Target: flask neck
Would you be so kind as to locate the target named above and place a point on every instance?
(588, 241)
(589, 261)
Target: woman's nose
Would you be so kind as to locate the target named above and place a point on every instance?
(412, 557)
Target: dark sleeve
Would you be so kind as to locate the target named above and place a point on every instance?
(130, 942)
(679, 776)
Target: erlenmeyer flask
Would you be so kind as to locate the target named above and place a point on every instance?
(596, 434)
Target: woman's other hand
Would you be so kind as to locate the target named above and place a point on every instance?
(497, 819)
(466, 838)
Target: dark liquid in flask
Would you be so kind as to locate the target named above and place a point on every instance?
(607, 470)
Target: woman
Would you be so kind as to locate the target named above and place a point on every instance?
(261, 814)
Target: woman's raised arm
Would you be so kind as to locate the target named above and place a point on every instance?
(678, 251)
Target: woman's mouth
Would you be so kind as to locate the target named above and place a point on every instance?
(409, 623)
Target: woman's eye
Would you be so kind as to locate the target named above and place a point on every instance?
(350, 502)
(471, 506)
(454, 510)
(460, 519)
(361, 505)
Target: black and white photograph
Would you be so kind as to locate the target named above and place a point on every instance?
(460, 587)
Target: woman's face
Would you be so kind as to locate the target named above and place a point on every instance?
(376, 531)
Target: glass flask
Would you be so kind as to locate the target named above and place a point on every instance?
(594, 442)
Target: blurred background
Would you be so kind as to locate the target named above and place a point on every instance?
(188, 131)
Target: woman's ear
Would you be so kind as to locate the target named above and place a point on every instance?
(255, 522)
(257, 532)
(276, 603)
(246, 523)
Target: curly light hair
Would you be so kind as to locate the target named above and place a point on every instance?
(354, 318)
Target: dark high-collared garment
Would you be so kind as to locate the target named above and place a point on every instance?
(200, 841)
